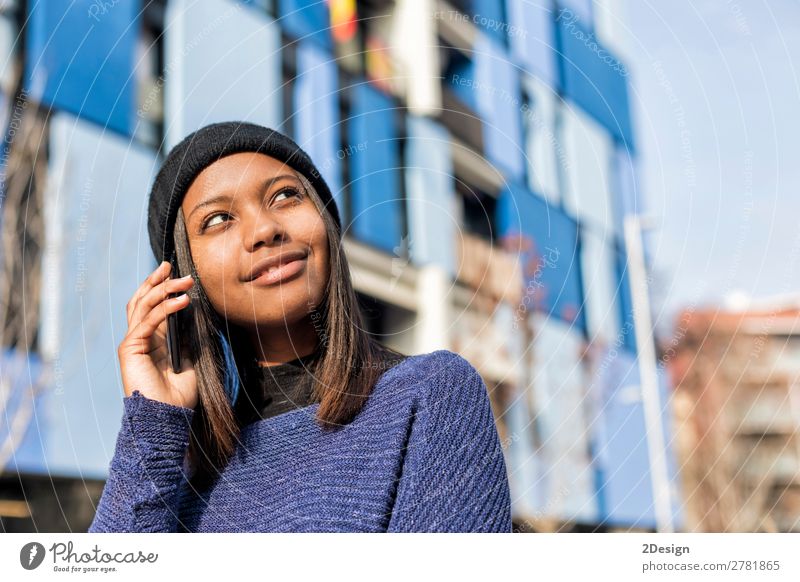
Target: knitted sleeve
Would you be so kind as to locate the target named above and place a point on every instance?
(146, 471)
(454, 475)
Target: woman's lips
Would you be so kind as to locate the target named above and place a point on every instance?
(281, 273)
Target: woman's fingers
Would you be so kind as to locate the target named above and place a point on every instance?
(158, 294)
(143, 352)
(151, 281)
(141, 333)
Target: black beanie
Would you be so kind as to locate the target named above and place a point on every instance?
(205, 146)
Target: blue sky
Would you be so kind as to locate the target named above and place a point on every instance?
(716, 101)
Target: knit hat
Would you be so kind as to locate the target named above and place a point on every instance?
(203, 147)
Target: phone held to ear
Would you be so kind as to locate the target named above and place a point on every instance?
(173, 336)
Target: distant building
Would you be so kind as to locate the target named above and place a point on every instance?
(737, 406)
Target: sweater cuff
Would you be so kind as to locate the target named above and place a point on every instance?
(154, 435)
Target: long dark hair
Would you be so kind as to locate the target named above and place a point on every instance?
(348, 366)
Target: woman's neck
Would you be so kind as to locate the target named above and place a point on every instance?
(278, 346)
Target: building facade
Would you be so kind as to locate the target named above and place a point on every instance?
(483, 158)
(737, 403)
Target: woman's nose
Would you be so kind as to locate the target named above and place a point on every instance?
(262, 230)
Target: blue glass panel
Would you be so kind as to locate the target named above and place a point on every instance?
(461, 77)
(373, 151)
(230, 74)
(531, 36)
(625, 303)
(430, 194)
(624, 188)
(489, 16)
(499, 103)
(307, 20)
(594, 78)
(621, 443)
(580, 9)
(21, 443)
(316, 114)
(547, 240)
(80, 58)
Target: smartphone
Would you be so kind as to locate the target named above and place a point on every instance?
(173, 337)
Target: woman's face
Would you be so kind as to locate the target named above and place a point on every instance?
(245, 208)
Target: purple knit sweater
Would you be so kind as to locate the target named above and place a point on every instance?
(422, 455)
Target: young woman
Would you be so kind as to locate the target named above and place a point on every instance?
(285, 415)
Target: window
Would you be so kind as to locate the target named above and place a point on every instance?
(478, 211)
(546, 239)
(490, 16)
(313, 99)
(9, 44)
(430, 193)
(82, 62)
(149, 74)
(391, 325)
(372, 150)
(531, 35)
(539, 133)
(601, 286)
(306, 20)
(587, 152)
(558, 397)
(496, 86)
(232, 70)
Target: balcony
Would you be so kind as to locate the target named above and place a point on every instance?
(487, 277)
(760, 409)
(491, 271)
(772, 460)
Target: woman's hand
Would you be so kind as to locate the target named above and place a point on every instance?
(143, 354)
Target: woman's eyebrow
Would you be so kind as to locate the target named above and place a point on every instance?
(225, 198)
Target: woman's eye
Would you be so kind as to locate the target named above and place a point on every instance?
(289, 192)
(210, 220)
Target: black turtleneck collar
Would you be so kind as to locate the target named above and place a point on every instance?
(277, 389)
